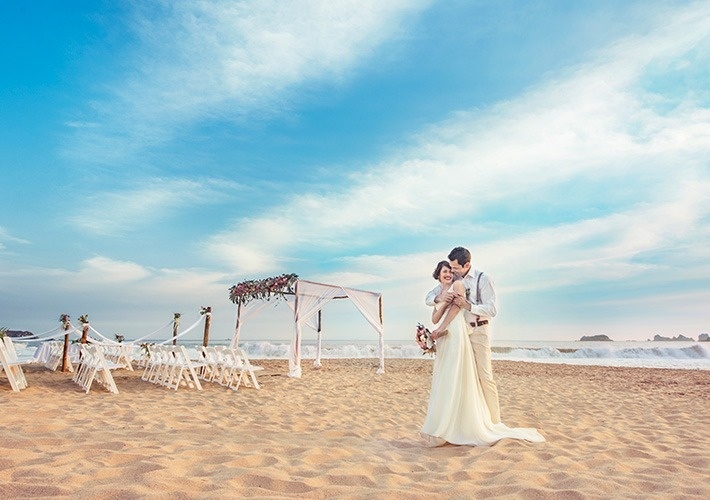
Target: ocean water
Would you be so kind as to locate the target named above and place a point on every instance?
(678, 355)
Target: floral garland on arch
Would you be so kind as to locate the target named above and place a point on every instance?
(277, 286)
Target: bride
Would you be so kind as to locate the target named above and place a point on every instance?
(457, 411)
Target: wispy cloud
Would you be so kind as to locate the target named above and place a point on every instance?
(596, 124)
(6, 237)
(614, 247)
(117, 212)
(111, 271)
(207, 59)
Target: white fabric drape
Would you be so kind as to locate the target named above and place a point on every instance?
(141, 339)
(310, 298)
(244, 313)
(369, 304)
(192, 327)
(314, 324)
(49, 334)
(106, 340)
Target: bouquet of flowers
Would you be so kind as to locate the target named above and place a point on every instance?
(424, 340)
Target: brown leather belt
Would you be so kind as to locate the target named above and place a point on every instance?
(479, 323)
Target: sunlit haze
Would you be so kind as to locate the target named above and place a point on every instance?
(155, 153)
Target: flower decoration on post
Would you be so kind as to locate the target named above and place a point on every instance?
(277, 287)
(424, 340)
(119, 338)
(205, 310)
(84, 320)
(145, 347)
(64, 318)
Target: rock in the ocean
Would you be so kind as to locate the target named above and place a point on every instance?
(601, 338)
(681, 338)
(19, 333)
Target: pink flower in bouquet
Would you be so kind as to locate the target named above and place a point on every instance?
(423, 337)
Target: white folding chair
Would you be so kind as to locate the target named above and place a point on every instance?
(244, 368)
(121, 354)
(230, 363)
(23, 357)
(149, 361)
(54, 358)
(162, 363)
(205, 357)
(104, 367)
(12, 368)
(94, 366)
(182, 369)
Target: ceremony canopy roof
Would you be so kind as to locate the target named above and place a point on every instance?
(309, 298)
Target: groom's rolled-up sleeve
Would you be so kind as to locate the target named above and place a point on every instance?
(431, 296)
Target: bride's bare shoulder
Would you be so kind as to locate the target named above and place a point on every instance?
(458, 287)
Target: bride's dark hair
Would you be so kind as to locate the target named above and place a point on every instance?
(437, 271)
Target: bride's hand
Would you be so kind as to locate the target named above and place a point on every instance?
(437, 334)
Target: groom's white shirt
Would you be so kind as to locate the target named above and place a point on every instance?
(487, 309)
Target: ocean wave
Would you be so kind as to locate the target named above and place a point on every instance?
(280, 350)
(689, 352)
(691, 356)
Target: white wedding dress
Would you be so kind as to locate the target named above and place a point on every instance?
(457, 412)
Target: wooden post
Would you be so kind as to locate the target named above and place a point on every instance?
(176, 325)
(208, 320)
(84, 332)
(65, 353)
(380, 301)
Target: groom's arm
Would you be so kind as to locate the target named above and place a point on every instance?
(431, 296)
(488, 307)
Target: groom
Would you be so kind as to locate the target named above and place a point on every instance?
(479, 308)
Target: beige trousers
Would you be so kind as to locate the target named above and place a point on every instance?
(481, 342)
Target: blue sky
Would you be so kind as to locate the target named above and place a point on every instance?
(155, 153)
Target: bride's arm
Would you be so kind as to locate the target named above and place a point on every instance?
(438, 313)
(451, 311)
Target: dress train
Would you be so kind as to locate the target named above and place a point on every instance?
(457, 412)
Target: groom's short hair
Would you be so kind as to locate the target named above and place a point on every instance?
(460, 255)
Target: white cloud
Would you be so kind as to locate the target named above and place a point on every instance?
(118, 212)
(608, 248)
(110, 271)
(596, 124)
(201, 59)
(6, 237)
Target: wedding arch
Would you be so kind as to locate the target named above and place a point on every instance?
(309, 299)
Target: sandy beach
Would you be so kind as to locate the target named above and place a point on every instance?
(344, 431)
